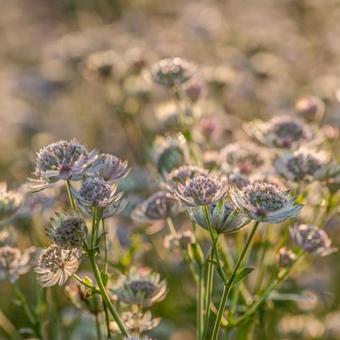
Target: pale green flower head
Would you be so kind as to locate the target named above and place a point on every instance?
(224, 217)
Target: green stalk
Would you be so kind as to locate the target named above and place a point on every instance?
(200, 304)
(69, 194)
(99, 333)
(228, 286)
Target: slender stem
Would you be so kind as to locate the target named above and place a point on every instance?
(107, 320)
(70, 196)
(32, 317)
(200, 304)
(94, 233)
(106, 249)
(228, 286)
(171, 226)
(98, 330)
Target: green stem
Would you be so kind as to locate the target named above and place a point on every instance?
(200, 304)
(70, 196)
(106, 249)
(107, 320)
(228, 286)
(98, 330)
(171, 226)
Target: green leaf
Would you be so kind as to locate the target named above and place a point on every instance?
(242, 273)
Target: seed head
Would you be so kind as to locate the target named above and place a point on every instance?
(312, 239)
(265, 202)
(67, 230)
(55, 265)
(14, 263)
(159, 206)
(172, 72)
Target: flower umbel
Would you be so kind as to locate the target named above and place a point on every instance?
(224, 217)
(62, 160)
(14, 262)
(140, 287)
(179, 240)
(312, 239)
(159, 206)
(265, 202)
(55, 265)
(285, 257)
(67, 230)
(171, 72)
(201, 190)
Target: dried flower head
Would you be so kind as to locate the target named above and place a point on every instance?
(180, 240)
(110, 168)
(305, 165)
(285, 257)
(14, 262)
(171, 72)
(62, 160)
(159, 206)
(55, 265)
(265, 202)
(201, 190)
(10, 201)
(67, 230)
(100, 65)
(224, 217)
(168, 154)
(280, 132)
(243, 158)
(310, 108)
(140, 287)
(312, 239)
(95, 192)
(136, 323)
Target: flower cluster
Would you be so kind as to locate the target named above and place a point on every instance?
(10, 202)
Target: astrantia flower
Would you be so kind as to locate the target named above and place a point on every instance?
(171, 72)
(110, 168)
(280, 132)
(224, 217)
(100, 65)
(243, 158)
(159, 206)
(312, 239)
(183, 173)
(265, 202)
(140, 287)
(168, 154)
(14, 263)
(95, 192)
(179, 240)
(62, 160)
(136, 323)
(201, 190)
(67, 230)
(305, 165)
(238, 180)
(55, 265)
(285, 257)
(10, 201)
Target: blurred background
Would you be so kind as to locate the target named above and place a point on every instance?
(254, 59)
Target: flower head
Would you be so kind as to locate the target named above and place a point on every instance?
(171, 72)
(238, 180)
(285, 257)
(100, 65)
(243, 158)
(265, 202)
(55, 265)
(95, 192)
(280, 132)
(62, 160)
(179, 240)
(183, 173)
(159, 206)
(67, 230)
(312, 239)
(140, 287)
(305, 165)
(110, 168)
(224, 217)
(136, 323)
(14, 262)
(10, 202)
(310, 108)
(201, 190)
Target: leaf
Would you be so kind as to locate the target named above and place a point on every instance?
(242, 273)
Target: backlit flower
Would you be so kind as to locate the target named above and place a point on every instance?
(265, 202)
(55, 265)
(180, 240)
(285, 257)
